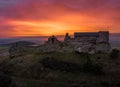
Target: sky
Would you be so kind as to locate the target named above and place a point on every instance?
(56, 17)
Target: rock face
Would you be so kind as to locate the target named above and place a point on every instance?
(103, 47)
(88, 48)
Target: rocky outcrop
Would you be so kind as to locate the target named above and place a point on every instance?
(88, 48)
(58, 47)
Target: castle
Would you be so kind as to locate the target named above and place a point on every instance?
(90, 42)
(88, 37)
(84, 42)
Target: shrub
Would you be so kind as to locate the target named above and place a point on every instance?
(5, 81)
(59, 65)
(114, 54)
(89, 67)
(118, 85)
(105, 84)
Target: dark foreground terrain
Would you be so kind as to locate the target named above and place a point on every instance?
(54, 69)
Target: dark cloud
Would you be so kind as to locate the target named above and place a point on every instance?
(41, 8)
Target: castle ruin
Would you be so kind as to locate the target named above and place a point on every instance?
(89, 42)
(52, 40)
(83, 42)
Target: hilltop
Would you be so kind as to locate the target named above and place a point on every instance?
(31, 67)
(75, 62)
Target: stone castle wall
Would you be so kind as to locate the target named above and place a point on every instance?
(90, 42)
(98, 37)
(81, 42)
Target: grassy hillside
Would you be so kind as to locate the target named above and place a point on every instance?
(56, 69)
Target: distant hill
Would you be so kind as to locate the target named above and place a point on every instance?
(13, 40)
(22, 43)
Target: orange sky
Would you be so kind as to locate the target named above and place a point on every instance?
(53, 17)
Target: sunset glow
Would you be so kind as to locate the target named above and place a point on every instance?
(56, 17)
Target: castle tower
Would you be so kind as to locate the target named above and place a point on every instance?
(103, 37)
(67, 37)
(103, 44)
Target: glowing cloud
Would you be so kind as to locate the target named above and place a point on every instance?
(48, 17)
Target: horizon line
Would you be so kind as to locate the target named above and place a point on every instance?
(42, 36)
